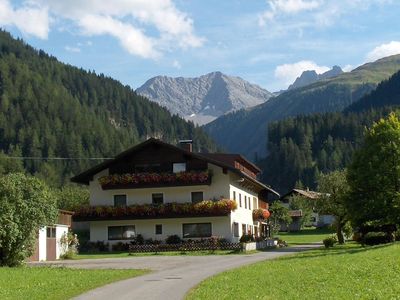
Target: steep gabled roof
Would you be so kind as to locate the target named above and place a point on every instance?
(230, 159)
(86, 176)
(306, 193)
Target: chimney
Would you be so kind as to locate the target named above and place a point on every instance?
(186, 145)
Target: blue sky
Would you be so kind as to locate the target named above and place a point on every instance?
(265, 42)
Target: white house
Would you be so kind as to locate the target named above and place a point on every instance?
(156, 189)
(48, 246)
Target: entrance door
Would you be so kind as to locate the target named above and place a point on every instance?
(51, 243)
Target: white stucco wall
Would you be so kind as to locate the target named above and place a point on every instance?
(242, 215)
(220, 226)
(222, 186)
(218, 188)
(42, 244)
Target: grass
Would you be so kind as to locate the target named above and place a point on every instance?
(170, 253)
(342, 272)
(55, 283)
(304, 236)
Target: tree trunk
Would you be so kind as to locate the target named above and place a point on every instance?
(339, 233)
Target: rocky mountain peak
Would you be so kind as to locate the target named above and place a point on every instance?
(204, 98)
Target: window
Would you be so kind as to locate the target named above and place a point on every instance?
(245, 201)
(196, 230)
(244, 229)
(179, 167)
(235, 229)
(157, 198)
(121, 232)
(234, 195)
(249, 202)
(119, 200)
(255, 203)
(51, 232)
(158, 228)
(197, 197)
(240, 200)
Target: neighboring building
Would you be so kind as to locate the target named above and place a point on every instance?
(152, 189)
(48, 245)
(316, 219)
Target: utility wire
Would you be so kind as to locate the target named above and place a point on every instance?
(56, 158)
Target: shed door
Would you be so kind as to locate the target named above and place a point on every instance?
(51, 243)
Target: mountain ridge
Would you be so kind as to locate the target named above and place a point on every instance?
(311, 76)
(204, 98)
(327, 95)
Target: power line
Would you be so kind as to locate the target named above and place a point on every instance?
(56, 158)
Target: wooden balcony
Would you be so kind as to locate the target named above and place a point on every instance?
(206, 208)
(150, 180)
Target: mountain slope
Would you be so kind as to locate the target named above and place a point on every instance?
(309, 77)
(303, 146)
(204, 98)
(50, 109)
(245, 131)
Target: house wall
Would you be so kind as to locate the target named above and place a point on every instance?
(180, 194)
(242, 215)
(220, 227)
(222, 186)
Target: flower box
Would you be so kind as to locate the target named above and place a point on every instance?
(206, 208)
(142, 180)
(260, 214)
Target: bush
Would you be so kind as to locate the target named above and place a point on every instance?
(173, 239)
(282, 243)
(330, 241)
(93, 247)
(397, 235)
(376, 238)
(138, 240)
(246, 238)
(120, 246)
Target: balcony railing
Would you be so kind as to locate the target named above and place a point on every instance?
(260, 214)
(143, 180)
(206, 208)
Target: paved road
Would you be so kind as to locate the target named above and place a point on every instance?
(173, 276)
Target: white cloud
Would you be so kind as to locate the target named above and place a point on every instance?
(30, 19)
(383, 50)
(72, 49)
(277, 7)
(287, 73)
(348, 68)
(143, 28)
(176, 64)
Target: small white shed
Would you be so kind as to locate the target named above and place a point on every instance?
(48, 245)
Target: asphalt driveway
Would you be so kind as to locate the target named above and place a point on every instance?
(173, 276)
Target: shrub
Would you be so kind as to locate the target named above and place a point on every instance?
(120, 246)
(376, 238)
(246, 238)
(397, 235)
(330, 241)
(281, 243)
(93, 247)
(138, 240)
(69, 245)
(173, 239)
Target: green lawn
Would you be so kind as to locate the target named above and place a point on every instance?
(304, 236)
(170, 253)
(55, 283)
(344, 272)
